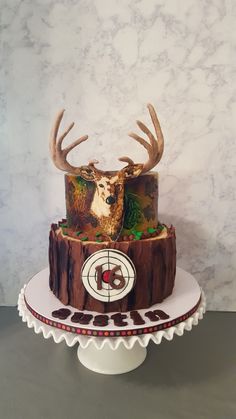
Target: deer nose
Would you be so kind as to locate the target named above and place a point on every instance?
(111, 200)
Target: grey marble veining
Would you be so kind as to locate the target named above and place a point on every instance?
(103, 61)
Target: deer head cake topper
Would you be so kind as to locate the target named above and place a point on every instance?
(107, 205)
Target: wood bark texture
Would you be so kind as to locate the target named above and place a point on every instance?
(154, 260)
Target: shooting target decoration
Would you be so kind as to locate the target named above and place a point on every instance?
(108, 275)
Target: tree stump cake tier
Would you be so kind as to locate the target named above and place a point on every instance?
(154, 260)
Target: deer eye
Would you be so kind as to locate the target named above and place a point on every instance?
(101, 185)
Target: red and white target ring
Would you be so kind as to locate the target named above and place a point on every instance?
(108, 260)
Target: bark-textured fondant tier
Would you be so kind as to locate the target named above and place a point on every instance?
(87, 209)
(154, 260)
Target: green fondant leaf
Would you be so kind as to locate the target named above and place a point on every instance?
(151, 230)
(98, 234)
(83, 239)
(64, 225)
(78, 233)
(99, 241)
(137, 234)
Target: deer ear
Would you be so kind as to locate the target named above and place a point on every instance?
(133, 170)
(87, 173)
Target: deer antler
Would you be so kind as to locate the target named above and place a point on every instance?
(156, 146)
(57, 153)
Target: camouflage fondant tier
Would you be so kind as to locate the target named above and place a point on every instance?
(107, 207)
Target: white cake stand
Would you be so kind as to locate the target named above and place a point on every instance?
(114, 350)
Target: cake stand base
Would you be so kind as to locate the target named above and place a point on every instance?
(110, 361)
(112, 349)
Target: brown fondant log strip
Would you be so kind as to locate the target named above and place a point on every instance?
(91, 303)
(77, 290)
(63, 250)
(161, 255)
(142, 257)
(154, 260)
(54, 277)
(51, 261)
(172, 266)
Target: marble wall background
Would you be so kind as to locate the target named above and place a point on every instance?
(103, 61)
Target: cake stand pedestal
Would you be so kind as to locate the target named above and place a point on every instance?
(112, 350)
(110, 361)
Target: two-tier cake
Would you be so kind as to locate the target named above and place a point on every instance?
(111, 254)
